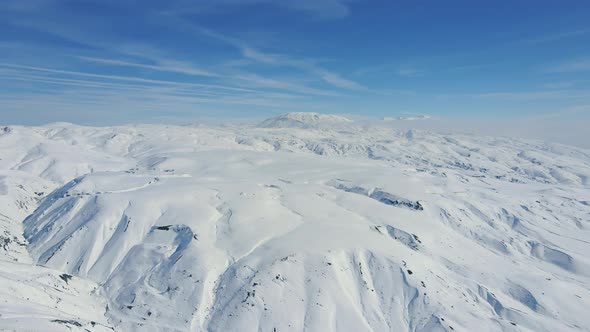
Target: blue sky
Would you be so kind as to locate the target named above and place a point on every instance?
(116, 61)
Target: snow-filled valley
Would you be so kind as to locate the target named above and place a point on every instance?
(303, 223)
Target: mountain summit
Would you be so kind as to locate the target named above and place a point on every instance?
(304, 120)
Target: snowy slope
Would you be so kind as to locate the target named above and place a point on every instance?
(35, 298)
(180, 228)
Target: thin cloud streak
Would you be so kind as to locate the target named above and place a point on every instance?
(260, 81)
(535, 95)
(108, 86)
(123, 78)
(251, 53)
(160, 61)
(140, 96)
(323, 9)
(181, 89)
(557, 36)
(187, 70)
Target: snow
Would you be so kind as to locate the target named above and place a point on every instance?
(305, 120)
(407, 118)
(290, 227)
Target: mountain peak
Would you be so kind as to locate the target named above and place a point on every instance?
(303, 120)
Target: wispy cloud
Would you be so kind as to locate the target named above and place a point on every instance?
(158, 60)
(559, 85)
(304, 65)
(392, 68)
(24, 5)
(260, 81)
(323, 9)
(409, 72)
(122, 78)
(89, 86)
(258, 56)
(121, 53)
(553, 37)
(339, 81)
(106, 97)
(82, 89)
(164, 66)
(535, 95)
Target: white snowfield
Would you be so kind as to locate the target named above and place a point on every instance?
(292, 225)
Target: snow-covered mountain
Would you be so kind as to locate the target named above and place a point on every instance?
(181, 228)
(407, 118)
(305, 120)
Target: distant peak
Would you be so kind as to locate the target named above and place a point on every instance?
(303, 120)
(407, 118)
